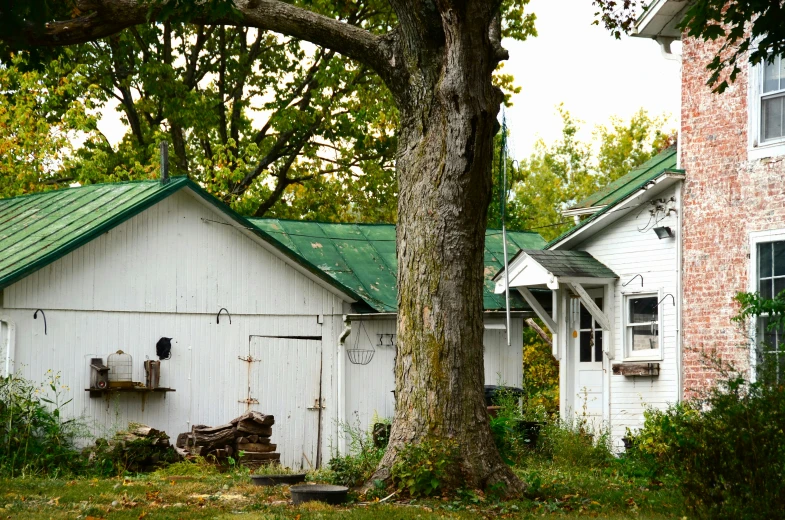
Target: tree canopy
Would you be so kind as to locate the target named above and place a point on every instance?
(557, 175)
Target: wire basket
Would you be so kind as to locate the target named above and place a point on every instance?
(359, 356)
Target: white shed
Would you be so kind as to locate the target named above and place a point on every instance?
(614, 306)
(87, 271)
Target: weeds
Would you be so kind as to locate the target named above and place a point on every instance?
(363, 457)
(34, 440)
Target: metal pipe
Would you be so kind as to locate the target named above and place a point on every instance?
(164, 162)
(11, 338)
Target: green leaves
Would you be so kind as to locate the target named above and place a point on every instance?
(560, 174)
(427, 468)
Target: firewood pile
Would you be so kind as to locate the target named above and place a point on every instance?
(245, 438)
(137, 448)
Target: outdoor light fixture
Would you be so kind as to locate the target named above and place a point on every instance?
(663, 232)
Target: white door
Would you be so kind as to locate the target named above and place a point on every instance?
(588, 398)
(285, 381)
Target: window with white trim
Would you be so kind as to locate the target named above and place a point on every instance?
(642, 326)
(767, 108)
(770, 355)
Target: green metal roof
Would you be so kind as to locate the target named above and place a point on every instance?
(619, 190)
(357, 259)
(571, 264)
(625, 185)
(362, 256)
(37, 229)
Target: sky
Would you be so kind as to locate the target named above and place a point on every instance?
(582, 66)
(571, 62)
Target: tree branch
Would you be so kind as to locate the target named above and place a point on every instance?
(107, 17)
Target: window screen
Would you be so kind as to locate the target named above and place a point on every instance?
(642, 323)
(772, 120)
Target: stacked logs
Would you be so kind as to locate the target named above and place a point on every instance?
(245, 438)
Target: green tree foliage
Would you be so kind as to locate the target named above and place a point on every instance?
(41, 113)
(540, 371)
(559, 174)
(748, 29)
(268, 124)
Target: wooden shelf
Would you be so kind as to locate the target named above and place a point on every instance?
(128, 389)
(141, 390)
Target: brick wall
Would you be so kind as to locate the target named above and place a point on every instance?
(726, 197)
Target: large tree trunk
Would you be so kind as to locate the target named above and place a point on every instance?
(448, 120)
(438, 64)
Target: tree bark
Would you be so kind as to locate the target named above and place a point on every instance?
(448, 120)
(438, 63)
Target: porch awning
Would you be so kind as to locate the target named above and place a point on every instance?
(547, 269)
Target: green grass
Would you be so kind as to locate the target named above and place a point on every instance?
(554, 491)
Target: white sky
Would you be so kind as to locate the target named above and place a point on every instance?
(583, 66)
(571, 61)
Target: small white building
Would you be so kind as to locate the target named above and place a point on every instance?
(613, 306)
(260, 312)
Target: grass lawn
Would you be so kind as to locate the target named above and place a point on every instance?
(553, 492)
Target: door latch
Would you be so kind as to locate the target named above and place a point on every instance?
(316, 405)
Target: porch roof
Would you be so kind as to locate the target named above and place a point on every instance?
(546, 268)
(572, 264)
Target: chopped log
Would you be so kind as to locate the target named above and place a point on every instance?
(211, 438)
(257, 447)
(254, 428)
(213, 429)
(242, 439)
(146, 431)
(259, 418)
(251, 438)
(183, 440)
(254, 456)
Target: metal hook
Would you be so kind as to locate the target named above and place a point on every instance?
(35, 317)
(633, 278)
(672, 298)
(218, 317)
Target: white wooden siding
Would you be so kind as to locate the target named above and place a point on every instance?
(166, 273)
(178, 256)
(628, 252)
(368, 388)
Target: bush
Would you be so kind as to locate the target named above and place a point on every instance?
(34, 440)
(727, 450)
(428, 468)
(359, 465)
(514, 428)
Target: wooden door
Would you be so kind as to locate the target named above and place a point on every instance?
(285, 381)
(588, 396)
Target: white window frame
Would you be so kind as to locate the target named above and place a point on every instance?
(758, 237)
(756, 149)
(655, 354)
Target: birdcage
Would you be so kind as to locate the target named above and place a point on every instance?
(120, 369)
(358, 355)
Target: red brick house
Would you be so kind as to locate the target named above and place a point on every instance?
(732, 148)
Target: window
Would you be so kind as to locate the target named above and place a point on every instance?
(767, 109)
(772, 105)
(590, 336)
(770, 359)
(642, 326)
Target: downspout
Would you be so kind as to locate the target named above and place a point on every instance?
(341, 378)
(679, 291)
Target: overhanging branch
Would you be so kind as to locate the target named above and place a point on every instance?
(106, 17)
